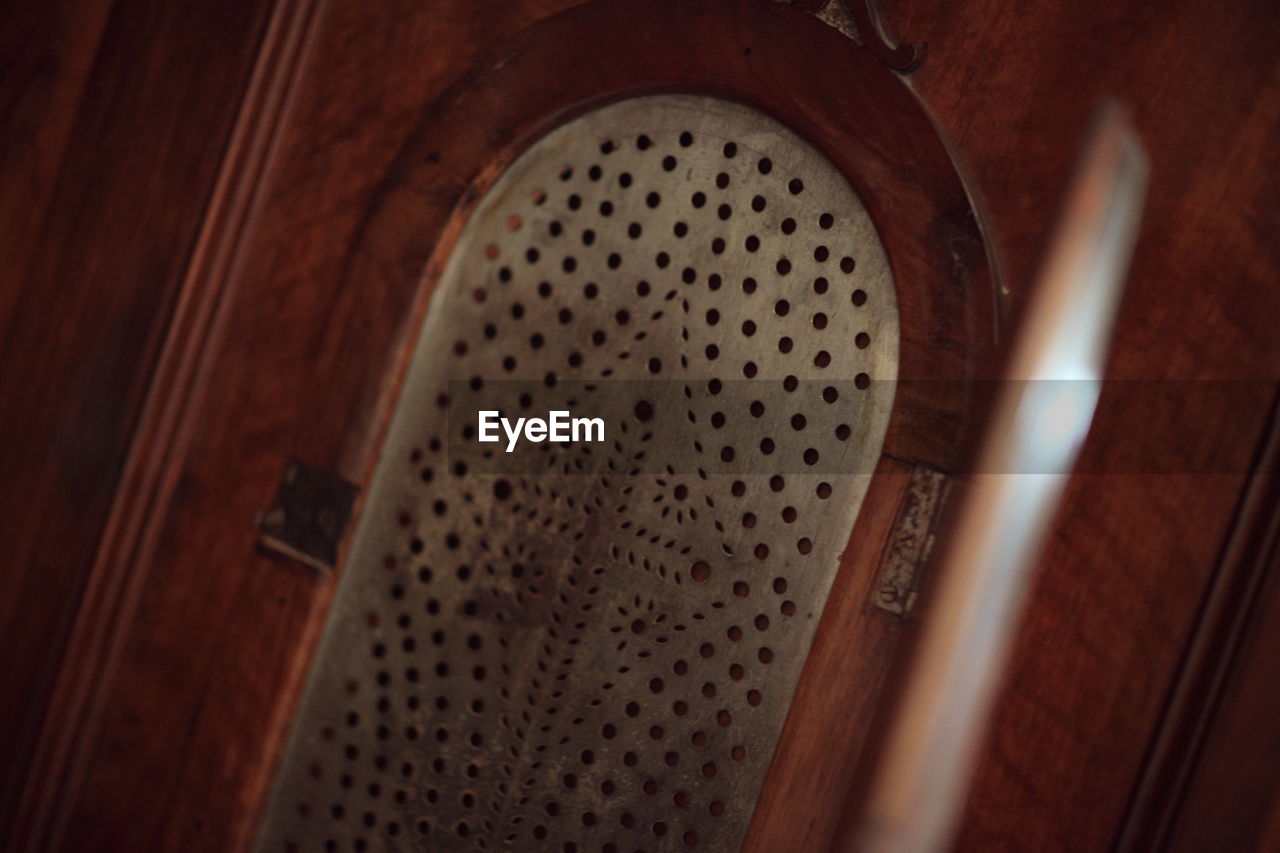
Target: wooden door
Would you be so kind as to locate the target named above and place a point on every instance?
(224, 242)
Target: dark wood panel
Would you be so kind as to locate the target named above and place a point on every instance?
(816, 763)
(1233, 800)
(386, 143)
(119, 122)
(208, 668)
(46, 52)
(1213, 776)
(1122, 579)
(291, 337)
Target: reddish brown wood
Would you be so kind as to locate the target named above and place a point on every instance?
(1214, 765)
(400, 114)
(119, 122)
(816, 763)
(47, 52)
(209, 671)
(139, 824)
(1233, 799)
(111, 593)
(1124, 574)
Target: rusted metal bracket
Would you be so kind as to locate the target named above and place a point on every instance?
(309, 515)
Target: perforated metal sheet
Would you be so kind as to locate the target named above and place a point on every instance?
(593, 647)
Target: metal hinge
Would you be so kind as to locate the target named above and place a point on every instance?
(309, 515)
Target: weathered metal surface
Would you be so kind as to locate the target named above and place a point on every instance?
(911, 541)
(594, 646)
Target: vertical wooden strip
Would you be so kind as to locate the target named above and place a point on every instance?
(120, 565)
(837, 695)
(86, 296)
(1216, 643)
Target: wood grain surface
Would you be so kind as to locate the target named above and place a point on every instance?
(327, 297)
(219, 249)
(1132, 554)
(115, 120)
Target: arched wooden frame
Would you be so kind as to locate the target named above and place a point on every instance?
(868, 122)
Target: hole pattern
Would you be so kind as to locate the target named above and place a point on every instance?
(598, 654)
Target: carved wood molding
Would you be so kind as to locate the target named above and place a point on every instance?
(1219, 634)
(860, 21)
(121, 562)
